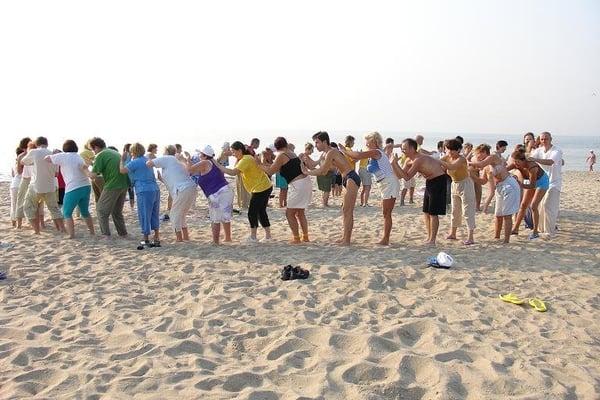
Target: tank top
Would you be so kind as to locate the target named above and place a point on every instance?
(459, 174)
(291, 169)
(381, 168)
(211, 182)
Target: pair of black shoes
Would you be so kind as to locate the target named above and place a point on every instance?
(148, 244)
(289, 273)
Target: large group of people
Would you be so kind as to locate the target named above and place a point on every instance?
(525, 186)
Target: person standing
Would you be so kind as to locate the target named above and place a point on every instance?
(77, 186)
(257, 183)
(16, 174)
(182, 188)
(42, 188)
(591, 160)
(112, 198)
(550, 158)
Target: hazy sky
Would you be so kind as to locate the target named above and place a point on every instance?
(134, 67)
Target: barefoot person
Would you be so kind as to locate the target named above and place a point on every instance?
(508, 193)
(26, 172)
(112, 198)
(434, 201)
(535, 184)
(463, 190)
(217, 191)
(146, 189)
(77, 185)
(42, 188)
(16, 174)
(288, 165)
(380, 167)
(332, 158)
(181, 187)
(256, 182)
(591, 160)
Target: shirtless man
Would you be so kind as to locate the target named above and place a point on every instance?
(434, 202)
(333, 158)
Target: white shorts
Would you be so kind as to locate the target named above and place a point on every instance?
(220, 205)
(365, 176)
(408, 184)
(299, 193)
(183, 201)
(389, 187)
(508, 197)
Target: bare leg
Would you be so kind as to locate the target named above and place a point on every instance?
(527, 197)
(70, 226)
(185, 234)
(507, 227)
(497, 227)
(325, 199)
(426, 220)
(301, 215)
(253, 233)
(90, 224)
(290, 214)
(367, 191)
(435, 224)
(216, 232)
(35, 224)
(227, 230)
(267, 233)
(60, 225)
(452, 234)
(535, 203)
(411, 195)
(387, 206)
(348, 211)
(403, 196)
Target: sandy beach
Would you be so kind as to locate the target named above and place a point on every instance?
(96, 319)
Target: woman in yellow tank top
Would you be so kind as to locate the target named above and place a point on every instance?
(463, 190)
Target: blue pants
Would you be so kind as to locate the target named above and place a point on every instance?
(79, 197)
(148, 210)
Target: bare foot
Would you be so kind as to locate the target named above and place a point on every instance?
(468, 242)
(383, 243)
(451, 237)
(294, 241)
(429, 243)
(228, 240)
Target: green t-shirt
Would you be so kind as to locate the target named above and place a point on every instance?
(107, 165)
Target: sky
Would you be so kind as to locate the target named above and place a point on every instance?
(135, 68)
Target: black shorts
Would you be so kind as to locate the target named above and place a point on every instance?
(434, 201)
(337, 179)
(351, 175)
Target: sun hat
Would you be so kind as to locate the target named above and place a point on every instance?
(207, 151)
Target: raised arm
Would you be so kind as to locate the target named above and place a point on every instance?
(483, 163)
(359, 155)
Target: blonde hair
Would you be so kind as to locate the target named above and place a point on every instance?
(309, 146)
(482, 148)
(376, 137)
(137, 150)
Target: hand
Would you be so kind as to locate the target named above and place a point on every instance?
(304, 169)
(395, 158)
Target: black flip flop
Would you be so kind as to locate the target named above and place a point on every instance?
(143, 244)
(286, 273)
(300, 273)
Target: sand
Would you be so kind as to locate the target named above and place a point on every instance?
(95, 319)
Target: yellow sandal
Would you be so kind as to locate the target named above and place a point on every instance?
(538, 304)
(511, 298)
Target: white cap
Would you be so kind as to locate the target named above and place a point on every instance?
(444, 259)
(207, 151)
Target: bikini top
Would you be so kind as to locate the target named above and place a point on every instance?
(459, 174)
(291, 169)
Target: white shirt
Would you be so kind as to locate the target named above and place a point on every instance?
(43, 173)
(174, 173)
(70, 167)
(554, 171)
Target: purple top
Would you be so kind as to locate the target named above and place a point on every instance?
(211, 182)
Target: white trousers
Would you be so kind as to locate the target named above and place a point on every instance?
(549, 211)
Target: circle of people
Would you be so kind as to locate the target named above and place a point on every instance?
(528, 183)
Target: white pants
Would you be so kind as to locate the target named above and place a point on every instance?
(549, 211)
(463, 203)
(13, 202)
(183, 201)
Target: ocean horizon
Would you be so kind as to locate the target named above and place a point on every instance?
(575, 148)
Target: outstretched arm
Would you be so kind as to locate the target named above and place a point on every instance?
(323, 169)
(359, 155)
(228, 171)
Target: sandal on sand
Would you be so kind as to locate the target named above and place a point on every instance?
(286, 273)
(511, 298)
(143, 244)
(538, 304)
(468, 242)
(300, 273)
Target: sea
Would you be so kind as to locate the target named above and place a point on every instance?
(575, 148)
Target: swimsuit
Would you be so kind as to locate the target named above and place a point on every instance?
(434, 201)
(351, 175)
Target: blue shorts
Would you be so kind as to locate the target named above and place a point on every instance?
(79, 197)
(543, 182)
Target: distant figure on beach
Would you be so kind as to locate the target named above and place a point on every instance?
(550, 157)
(434, 201)
(591, 160)
(299, 195)
(217, 191)
(77, 186)
(111, 200)
(26, 144)
(380, 167)
(332, 158)
(42, 187)
(257, 184)
(15, 181)
(507, 190)
(148, 193)
(182, 188)
(535, 184)
(462, 190)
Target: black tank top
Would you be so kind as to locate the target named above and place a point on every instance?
(291, 169)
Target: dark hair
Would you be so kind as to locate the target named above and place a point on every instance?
(519, 154)
(322, 136)
(453, 144)
(280, 143)
(126, 147)
(24, 142)
(237, 145)
(97, 142)
(501, 143)
(349, 139)
(412, 143)
(41, 141)
(69, 146)
(460, 139)
(255, 140)
(389, 141)
(334, 145)
(529, 134)
(178, 146)
(19, 151)
(442, 143)
(152, 147)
